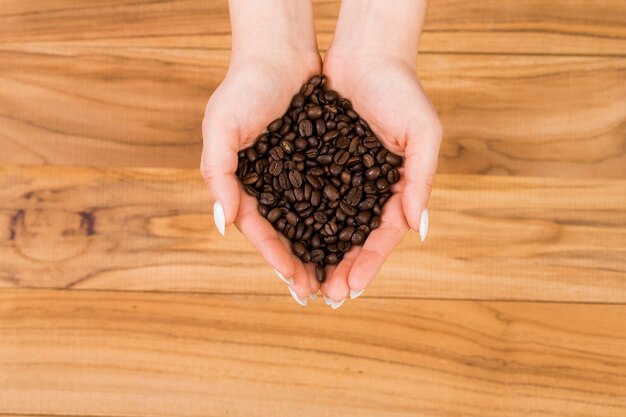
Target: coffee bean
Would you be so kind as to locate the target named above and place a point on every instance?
(273, 214)
(330, 228)
(300, 143)
(302, 206)
(280, 224)
(305, 127)
(330, 239)
(393, 159)
(295, 178)
(372, 173)
(325, 159)
(363, 217)
(335, 169)
(316, 197)
(358, 238)
(299, 248)
(277, 153)
(320, 274)
(331, 259)
(250, 178)
(328, 136)
(354, 196)
(314, 112)
(393, 176)
(371, 142)
(368, 160)
(381, 156)
(317, 255)
(347, 208)
(268, 199)
(341, 157)
(297, 100)
(287, 146)
(346, 233)
(374, 222)
(382, 184)
(320, 217)
(359, 130)
(312, 180)
(343, 142)
(331, 193)
(368, 203)
(275, 125)
(298, 194)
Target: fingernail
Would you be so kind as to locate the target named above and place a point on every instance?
(288, 281)
(424, 224)
(334, 304)
(313, 296)
(295, 297)
(354, 294)
(219, 217)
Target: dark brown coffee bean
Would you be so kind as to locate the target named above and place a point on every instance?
(309, 221)
(371, 142)
(350, 221)
(277, 153)
(302, 206)
(353, 161)
(305, 127)
(359, 130)
(347, 208)
(325, 159)
(300, 143)
(357, 238)
(320, 217)
(287, 146)
(330, 95)
(314, 112)
(368, 203)
(307, 211)
(263, 209)
(313, 181)
(346, 233)
(250, 178)
(354, 196)
(346, 177)
(328, 136)
(280, 224)
(307, 90)
(251, 191)
(370, 188)
(289, 231)
(330, 228)
(357, 179)
(289, 166)
(382, 184)
(330, 239)
(295, 178)
(331, 259)
(363, 217)
(317, 255)
(283, 181)
(393, 176)
(375, 222)
(393, 159)
(275, 125)
(268, 199)
(331, 193)
(298, 194)
(376, 209)
(381, 156)
(372, 173)
(336, 169)
(297, 100)
(299, 248)
(344, 246)
(316, 197)
(320, 274)
(274, 214)
(308, 232)
(343, 142)
(368, 160)
(341, 157)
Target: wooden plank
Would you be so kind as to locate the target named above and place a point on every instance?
(112, 353)
(518, 115)
(151, 229)
(493, 26)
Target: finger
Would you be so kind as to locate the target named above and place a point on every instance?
(300, 289)
(378, 245)
(263, 237)
(218, 166)
(419, 171)
(336, 285)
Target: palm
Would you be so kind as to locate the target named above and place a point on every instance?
(388, 95)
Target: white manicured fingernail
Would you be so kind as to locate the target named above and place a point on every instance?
(313, 296)
(295, 297)
(219, 217)
(334, 304)
(288, 281)
(424, 224)
(354, 294)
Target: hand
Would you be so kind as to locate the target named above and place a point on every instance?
(257, 89)
(386, 92)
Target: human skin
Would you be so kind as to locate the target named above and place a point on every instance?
(274, 50)
(372, 61)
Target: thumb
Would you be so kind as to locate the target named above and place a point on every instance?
(218, 166)
(420, 166)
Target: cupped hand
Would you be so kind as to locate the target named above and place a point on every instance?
(257, 89)
(385, 91)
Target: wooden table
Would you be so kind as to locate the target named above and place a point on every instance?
(119, 298)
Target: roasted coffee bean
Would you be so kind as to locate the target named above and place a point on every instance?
(393, 159)
(250, 178)
(305, 127)
(299, 248)
(317, 255)
(320, 274)
(372, 173)
(268, 199)
(295, 178)
(346, 233)
(314, 112)
(274, 214)
(331, 193)
(320, 175)
(393, 176)
(275, 125)
(358, 238)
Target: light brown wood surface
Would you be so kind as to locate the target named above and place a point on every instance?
(119, 298)
(151, 229)
(123, 354)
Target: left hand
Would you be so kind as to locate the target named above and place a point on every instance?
(385, 91)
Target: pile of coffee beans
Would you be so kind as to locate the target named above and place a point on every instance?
(320, 175)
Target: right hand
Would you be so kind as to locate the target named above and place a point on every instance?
(257, 89)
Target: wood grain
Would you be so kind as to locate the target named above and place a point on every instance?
(576, 27)
(517, 115)
(151, 229)
(108, 353)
